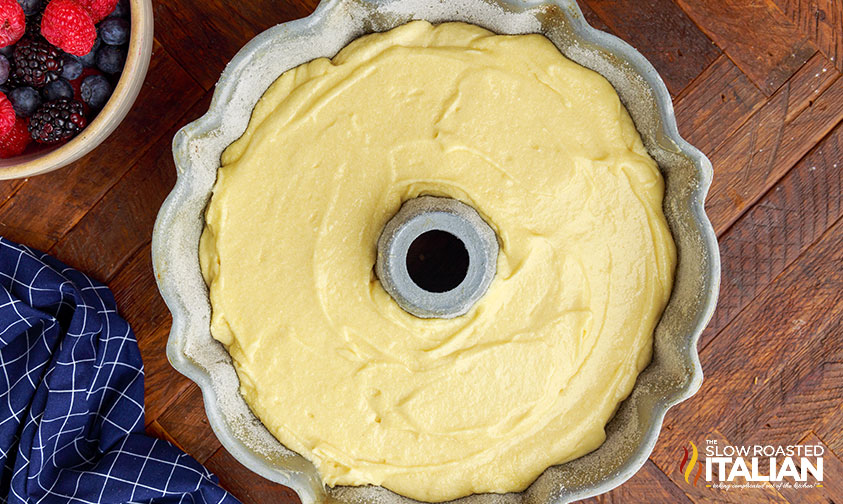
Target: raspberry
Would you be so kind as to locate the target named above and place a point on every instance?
(15, 141)
(99, 9)
(12, 22)
(7, 115)
(68, 25)
(57, 121)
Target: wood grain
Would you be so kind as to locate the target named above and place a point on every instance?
(649, 481)
(773, 140)
(592, 17)
(263, 14)
(140, 304)
(778, 229)
(207, 34)
(763, 42)
(185, 421)
(761, 343)
(821, 21)
(716, 104)
(663, 34)
(803, 401)
(830, 429)
(245, 485)
(8, 188)
(805, 384)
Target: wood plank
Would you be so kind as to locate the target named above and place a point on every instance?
(801, 403)
(263, 14)
(791, 403)
(716, 104)
(185, 422)
(47, 206)
(750, 348)
(162, 383)
(768, 144)
(8, 188)
(155, 430)
(140, 304)
(778, 229)
(758, 37)
(124, 217)
(663, 34)
(592, 18)
(831, 430)
(822, 22)
(248, 487)
(206, 34)
(649, 481)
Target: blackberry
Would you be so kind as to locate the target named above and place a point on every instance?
(36, 63)
(57, 120)
(33, 24)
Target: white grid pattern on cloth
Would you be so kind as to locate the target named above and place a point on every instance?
(71, 397)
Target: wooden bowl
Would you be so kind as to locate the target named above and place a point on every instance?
(122, 99)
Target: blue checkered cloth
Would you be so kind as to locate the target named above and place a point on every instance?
(71, 399)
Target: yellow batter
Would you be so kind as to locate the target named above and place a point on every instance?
(437, 409)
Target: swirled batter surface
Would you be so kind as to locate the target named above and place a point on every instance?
(438, 409)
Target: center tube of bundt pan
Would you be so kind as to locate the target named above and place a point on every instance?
(436, 257)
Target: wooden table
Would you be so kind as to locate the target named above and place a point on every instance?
(756, 86)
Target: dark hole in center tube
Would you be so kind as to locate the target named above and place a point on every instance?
(437, 261)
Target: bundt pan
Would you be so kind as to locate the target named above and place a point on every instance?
(674, 374)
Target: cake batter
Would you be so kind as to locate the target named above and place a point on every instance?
(436, 409)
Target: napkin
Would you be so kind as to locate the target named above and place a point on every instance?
(71, 396)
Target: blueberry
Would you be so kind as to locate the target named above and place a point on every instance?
(4, 69)
(59, 88)
(8, 51)
(90, 60)
(95, 91)
(121, 10)
(71, 68)
(114, 31)
(30, 7)
(110, 59)
(25, 100)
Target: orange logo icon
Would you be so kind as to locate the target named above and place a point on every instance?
(688, 469)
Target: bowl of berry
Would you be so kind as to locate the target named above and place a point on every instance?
(70, 70)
